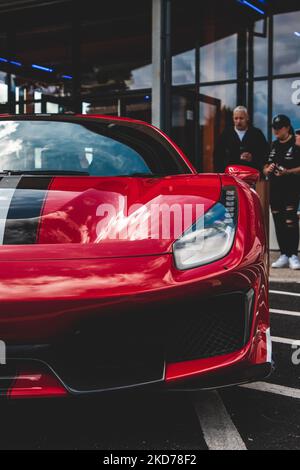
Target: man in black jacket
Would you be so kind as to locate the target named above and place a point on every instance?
(242, 144)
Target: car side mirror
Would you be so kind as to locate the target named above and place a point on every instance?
(247, 174)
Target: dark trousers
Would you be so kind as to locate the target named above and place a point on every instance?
(286, 223)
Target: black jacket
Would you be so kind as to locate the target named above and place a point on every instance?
(229, 149)
(286, 188)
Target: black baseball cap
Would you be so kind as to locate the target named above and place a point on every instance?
(280, 121)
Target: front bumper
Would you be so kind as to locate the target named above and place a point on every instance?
(34, 379)
(167, 330)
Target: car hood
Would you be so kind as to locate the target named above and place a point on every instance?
(99, 217)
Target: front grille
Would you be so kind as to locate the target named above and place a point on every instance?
(130, 345)
(211, 328)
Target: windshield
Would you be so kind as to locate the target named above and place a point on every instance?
(85, 147)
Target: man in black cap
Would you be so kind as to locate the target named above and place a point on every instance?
(241, 144)
(283, 171)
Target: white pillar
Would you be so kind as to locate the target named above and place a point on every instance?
(2, 353)
(156, 62)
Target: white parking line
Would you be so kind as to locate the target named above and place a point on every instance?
(291, 342)
(280, 292)
(218, 429)
(275, 389)
(285, 312)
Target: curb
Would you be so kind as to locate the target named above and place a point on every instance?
(283, 280)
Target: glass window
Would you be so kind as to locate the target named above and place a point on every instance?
(260, 106)
(42, 66)
(261, 55)
(52, 108)
(183, 66)
(218, 60)
(227, 95)
(140, 78)
(3, 89)
(183, 121)
(85, 146)
(287, 43)
(216, 106)
(85, 107)
(116, 50)
(137, 106)
(286, 97)
(37, 101)
(102, 105)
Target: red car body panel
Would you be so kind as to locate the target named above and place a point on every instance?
(70, 274)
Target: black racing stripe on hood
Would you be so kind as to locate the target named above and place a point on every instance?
(25, 210)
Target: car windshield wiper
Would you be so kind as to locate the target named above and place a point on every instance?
(44, 172)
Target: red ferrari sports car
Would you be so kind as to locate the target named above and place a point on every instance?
(121, 267)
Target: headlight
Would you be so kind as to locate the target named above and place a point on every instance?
(211, 237)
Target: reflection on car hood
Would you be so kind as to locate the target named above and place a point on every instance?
(98, 217)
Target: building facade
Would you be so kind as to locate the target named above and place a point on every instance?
(183, 65)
